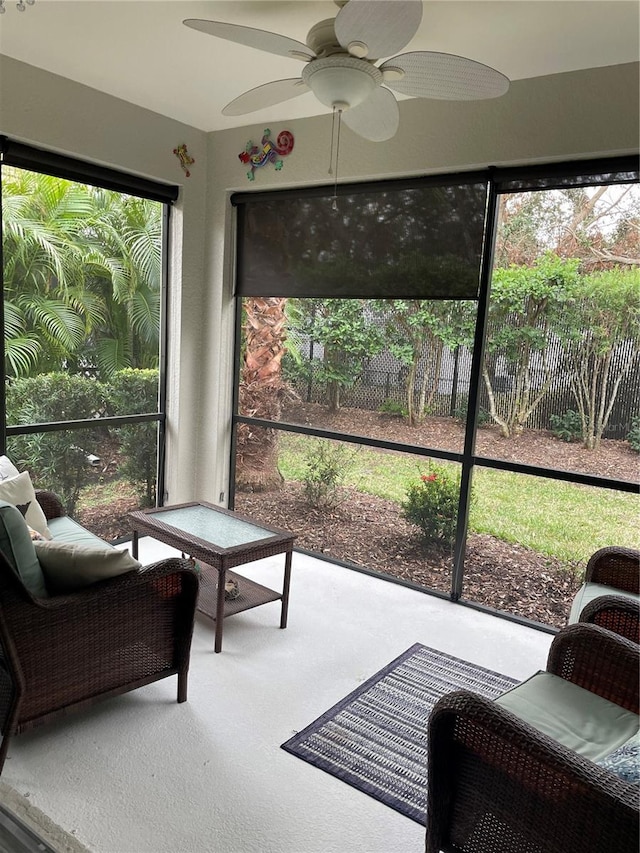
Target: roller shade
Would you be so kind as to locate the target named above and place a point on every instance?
(580, 173)
(418, 240)
(48, 162)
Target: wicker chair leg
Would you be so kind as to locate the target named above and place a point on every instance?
(182, 686)
(4, 748)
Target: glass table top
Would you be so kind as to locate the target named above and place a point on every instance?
(223, 530)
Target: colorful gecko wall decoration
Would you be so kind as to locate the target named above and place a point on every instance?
(185, 158)
(258, 156)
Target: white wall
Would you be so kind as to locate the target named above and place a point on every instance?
(576, 115)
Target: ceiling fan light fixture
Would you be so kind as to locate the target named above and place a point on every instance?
(341, 81)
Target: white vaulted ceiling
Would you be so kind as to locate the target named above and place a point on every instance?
(139, 50)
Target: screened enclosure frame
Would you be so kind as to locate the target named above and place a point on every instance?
(33, 159)
(499, 181)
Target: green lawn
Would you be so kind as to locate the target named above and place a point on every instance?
(558, 519)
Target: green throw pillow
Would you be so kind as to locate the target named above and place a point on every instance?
(68, 566)
(17, 547)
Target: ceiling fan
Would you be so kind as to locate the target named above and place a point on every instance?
(341, 55)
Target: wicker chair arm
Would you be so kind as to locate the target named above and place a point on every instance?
(51, 504)
(615, 566)
(496, 783)
(599, 661)
(615, 613)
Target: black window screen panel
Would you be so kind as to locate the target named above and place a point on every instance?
(581, 173)
(422, 241)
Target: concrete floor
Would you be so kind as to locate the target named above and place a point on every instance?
(142, 774)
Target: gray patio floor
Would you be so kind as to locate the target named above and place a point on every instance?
(142, 774)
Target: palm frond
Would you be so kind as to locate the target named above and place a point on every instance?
(22, 355)
(113, 355)
(55, 319)
(145, 315)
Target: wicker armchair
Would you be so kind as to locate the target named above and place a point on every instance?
(614, 571)
(66, 652)
(497, 785)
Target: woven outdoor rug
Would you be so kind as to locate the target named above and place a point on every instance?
(375, 739)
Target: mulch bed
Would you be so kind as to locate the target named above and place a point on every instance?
(111, 522)
(369, 532)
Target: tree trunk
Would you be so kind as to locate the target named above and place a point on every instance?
(493, 411)
(260, 394)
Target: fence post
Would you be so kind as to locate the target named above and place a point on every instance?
(454, 381)
(310, 381)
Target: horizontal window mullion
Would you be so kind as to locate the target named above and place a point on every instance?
(59, 426)
(451, 456)
(556, 474)
(364, 441)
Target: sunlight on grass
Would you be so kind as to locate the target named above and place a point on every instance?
(563, 520)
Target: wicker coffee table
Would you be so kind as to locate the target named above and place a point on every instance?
(219, 539)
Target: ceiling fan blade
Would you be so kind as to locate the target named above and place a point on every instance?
(375, 28)
(428, 74)
(266, 95)
(377, 118)
(260, 39)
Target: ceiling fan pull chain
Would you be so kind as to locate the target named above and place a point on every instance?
(333, 126)
(334, 205)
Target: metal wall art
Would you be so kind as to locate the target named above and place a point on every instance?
(267, 152)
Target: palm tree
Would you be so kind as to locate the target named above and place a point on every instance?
(47, 314)
(124, 253)
(260, 393)
(82, 276)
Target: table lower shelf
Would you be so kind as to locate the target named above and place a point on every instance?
(252, 594)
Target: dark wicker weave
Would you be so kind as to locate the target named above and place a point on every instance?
(217, 560)
(497, 785)
(615, 566)
(619, 568)
(617, 614)
(65, 653)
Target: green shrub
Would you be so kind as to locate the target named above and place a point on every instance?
(633, 436)
(432, 504)
(392, 407)
(327, 466)
(460, 414)
(136, 392)
(56, 460)
(567, 427)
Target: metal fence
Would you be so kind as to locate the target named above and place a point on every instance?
(381, 384)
